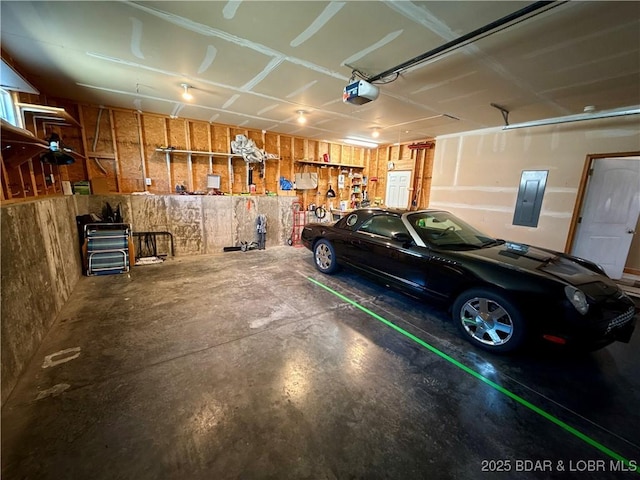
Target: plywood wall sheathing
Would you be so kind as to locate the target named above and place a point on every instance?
(127, 165)
(210, 149)
(323, 147)
(125, 143)
(345, 156)
(323, 186)
(298, 149)
(142, 154)
(176, 136)
(199, 140)
(427, 177)
(6, 190)
(272, 167)
(98, 144)
(261, 182)
(239, 165)
(256, 136)
(72, 137)
(335, 152)
(153, 133)
(43, 183)
(114, 172)
(32, 178)
(286, 161)
(98, 134)
(15, 187)
(26, 191)
(221, 143)
(221, 140)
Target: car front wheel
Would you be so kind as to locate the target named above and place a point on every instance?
(324, 256)
(489, 321)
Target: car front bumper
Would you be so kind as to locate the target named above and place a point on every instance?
(595, 330)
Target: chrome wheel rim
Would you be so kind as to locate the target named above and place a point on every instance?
(486, 321)
(323, 256)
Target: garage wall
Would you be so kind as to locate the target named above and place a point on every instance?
(40, 268)
(633, 260)
(199, 224)
(41, 261)
(120, 147)
(476, 175)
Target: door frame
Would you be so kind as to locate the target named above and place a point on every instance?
(411, 173)
(582, 191)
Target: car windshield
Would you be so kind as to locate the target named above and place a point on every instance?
(444, 230)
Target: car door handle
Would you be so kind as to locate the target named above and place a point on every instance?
(631, 232)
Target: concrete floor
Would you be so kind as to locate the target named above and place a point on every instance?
(238, 366)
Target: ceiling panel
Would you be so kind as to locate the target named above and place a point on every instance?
(255, 64)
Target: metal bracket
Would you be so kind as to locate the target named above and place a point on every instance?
(504, 111)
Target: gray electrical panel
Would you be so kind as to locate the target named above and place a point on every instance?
(530, 194)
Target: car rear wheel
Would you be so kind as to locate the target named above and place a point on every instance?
(489, 321)
(324, 256)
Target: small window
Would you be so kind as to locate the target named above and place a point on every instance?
(7, 111)
(383, 225)
(348, 222)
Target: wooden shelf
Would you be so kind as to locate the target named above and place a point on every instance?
(328, 164)
(46, 113)
(196, 152)
(212, 154)
(19, 145)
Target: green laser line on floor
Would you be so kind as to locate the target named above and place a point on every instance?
(585, 438)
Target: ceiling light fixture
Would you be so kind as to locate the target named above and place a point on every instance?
(360, 143)
(186, 94)
(375, 133)
(301, 118)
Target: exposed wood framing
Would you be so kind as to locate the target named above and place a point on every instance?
(90, 153)
(194, 141)
(230, 163)
(114, 141)
(32, 177)
(263, 187)
(42, 174)
(210, 146)
(187, 136)
(24, 190)
(279, 170)
(167, 155)
(6, 190)
(143, 164)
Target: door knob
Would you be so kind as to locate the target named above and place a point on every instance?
(631, 231)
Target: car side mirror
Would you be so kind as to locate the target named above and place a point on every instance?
(403, 237)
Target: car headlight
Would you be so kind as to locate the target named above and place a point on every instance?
(577, 298)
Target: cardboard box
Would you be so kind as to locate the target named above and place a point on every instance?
(66, 187)
(82, 188)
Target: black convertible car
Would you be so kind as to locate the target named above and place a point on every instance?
(502, 294)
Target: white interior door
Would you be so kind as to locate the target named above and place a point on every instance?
(398, 189)
(609, 213)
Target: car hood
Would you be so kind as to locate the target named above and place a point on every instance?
(540, 261)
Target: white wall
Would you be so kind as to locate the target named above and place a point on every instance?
(476, 174)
